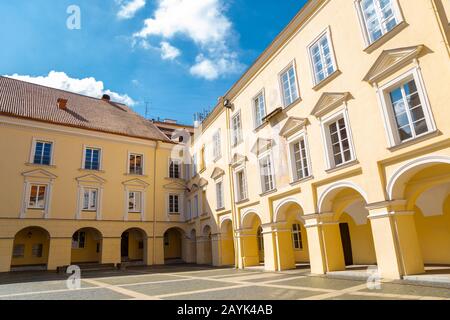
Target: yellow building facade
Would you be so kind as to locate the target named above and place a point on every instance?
(332, 150)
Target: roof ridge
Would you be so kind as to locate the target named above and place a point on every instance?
(57, 89)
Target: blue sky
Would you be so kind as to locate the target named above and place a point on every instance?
(178, 55)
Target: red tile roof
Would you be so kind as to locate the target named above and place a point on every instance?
(30, 101)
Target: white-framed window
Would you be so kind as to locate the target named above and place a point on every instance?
(42, 152)
(217, 145)
(90, 199)
(322, 57)
(297, 237)
(300, 159)
(339, 143)
(241, 184)
(174, 204)
(219, 195)
(38, 195)
(195, 209)
(259, 109)
(175, 169)
(378, 17)
(136, 164)
(289, 85)
(134, 201)
(236, 129)
(407, 111)
(79, 240)
(266, 173)
(92, 158)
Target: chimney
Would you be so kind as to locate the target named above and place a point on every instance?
(106, 97)
(62, 103)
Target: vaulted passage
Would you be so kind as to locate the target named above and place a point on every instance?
(30, 249)
(173, 246)
(133, 245)
(252, 239)
(86, 246)
(227, 244)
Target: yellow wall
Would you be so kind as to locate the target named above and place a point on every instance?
(434, 235)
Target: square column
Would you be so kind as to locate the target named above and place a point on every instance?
(270, 248)
(325, 245)
(6, 250)
(248, 249)
(111, 250)
(60, 253)
(396, 243)
(159, 258)
(148, 251)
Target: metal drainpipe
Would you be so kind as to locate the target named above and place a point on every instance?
(231, 186)
(154, 202)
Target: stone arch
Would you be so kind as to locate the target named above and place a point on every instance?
(31, 248)
(280, 214)
(396, 184)
(327, 196)
(248, 216)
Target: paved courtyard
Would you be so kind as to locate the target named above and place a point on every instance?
(201, 283)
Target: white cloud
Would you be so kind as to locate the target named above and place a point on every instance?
(169, 52)
(211, 69)
(87, 86)
(205, 23)
(129, 8)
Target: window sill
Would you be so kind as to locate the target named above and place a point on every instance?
(174, 214)
(421, 138)
(134, 212)
(385, 38)
(217, 159)
(220, 209)
(135, 175)
(29, 164)
(297, 182)
(343, 166)
(88, 211)
(293, 104)
(260, 127)
(237, 144)
(202, 170)
(327, 80)
(90, 170)
(268, 192)
(242, 201)
(36, 209)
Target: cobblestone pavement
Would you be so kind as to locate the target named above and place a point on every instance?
(201, 283)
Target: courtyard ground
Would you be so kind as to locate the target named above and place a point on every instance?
(185, 282)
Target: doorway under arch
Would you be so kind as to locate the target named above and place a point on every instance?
(252, 241)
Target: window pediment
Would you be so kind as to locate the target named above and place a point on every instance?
(90, 178)
(238, 159)
(262, 145)
(202, 183)
(329, 101)
(217, 173)
(293, 125)
(175, 186)
(137, 183)
(40, 174)
(390, 61)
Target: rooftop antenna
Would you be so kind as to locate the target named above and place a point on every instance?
(146, 109)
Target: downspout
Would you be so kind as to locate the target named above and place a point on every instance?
(231, 186)
(154, 202)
